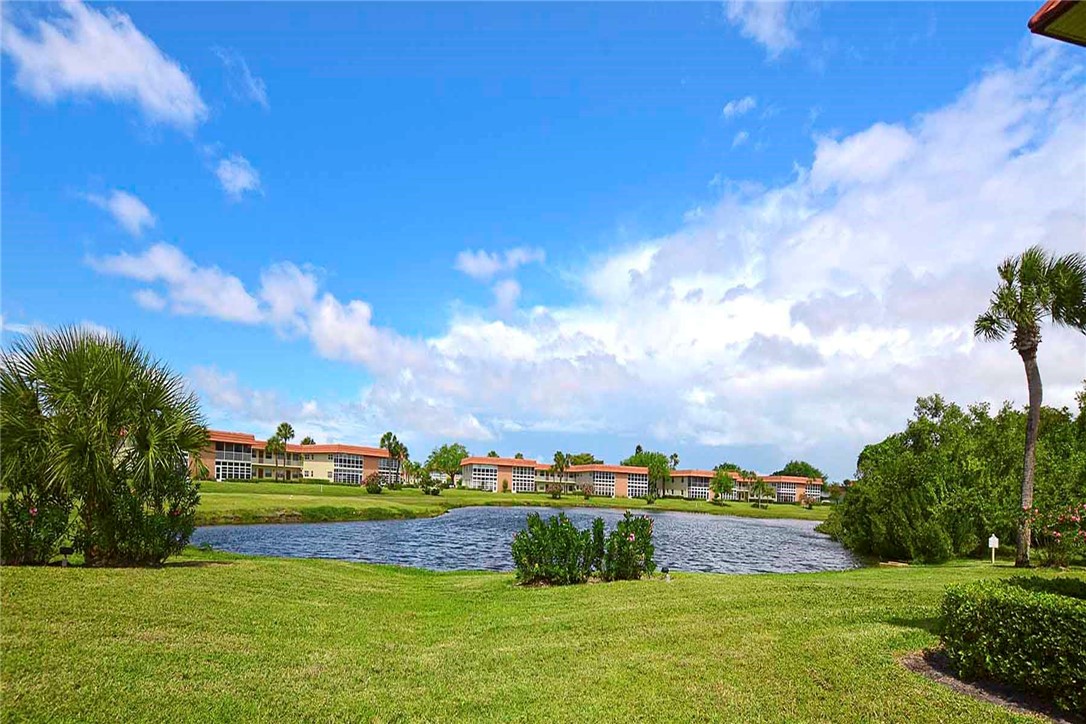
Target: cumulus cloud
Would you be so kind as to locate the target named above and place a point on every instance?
(126, 209)
(738, 107)
(483, 264)
(241, 81)
(805, 316)
(188, 288)
(84, 52)
(740, 138)
(237, 176)
(506, 294)
(771, 23)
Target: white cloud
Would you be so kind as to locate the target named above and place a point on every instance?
(86, 53)
(864, 157)
(237, 176)
(770, 23)
(241, 81)
(738, 107)
(740, 138)
(483, 264)
(126, 209)
(506, 294)
(805, 316)
(189, 289)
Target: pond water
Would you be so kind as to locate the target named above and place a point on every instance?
(480, 538)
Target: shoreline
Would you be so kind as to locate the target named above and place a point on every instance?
(271, 503)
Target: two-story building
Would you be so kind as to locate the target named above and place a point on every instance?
(240, 456)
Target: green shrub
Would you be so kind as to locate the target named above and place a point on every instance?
(32, 526)
(1022, 633)
(629, 550)
(554, 490)
(373, 483)
(931, 543)
(598, 543)
(552, 551)
(145, 529)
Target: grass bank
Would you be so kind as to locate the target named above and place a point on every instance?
(219, 637)
(304, 502)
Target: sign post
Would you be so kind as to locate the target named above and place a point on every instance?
(993, 543)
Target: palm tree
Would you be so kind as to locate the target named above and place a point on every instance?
(285, 433)
(274, 446)
(757, 488)
(110, 428)
(397, 451)
(674, 459)
(1033, 287)
(307, 440)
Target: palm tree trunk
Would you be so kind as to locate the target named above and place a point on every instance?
(1033, 380)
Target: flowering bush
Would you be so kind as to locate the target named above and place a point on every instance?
(372, 483)
(554, 551)
(628, 553)
(1061, 533)
(554, 490)
(586, 490)
(31, 527)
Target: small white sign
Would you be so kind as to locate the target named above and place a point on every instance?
(993, 542)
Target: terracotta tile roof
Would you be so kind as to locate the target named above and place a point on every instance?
(693, 473)
(606, 469)
(1062, 20)
(513, 462)
(224, 436)
(771, 479)
(373, 452)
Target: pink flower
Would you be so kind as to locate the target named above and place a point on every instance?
(33, 512)
(631, 537)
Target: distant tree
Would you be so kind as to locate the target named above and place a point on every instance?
(802, 469)
(492, 454)
(397, 451)
(560, 464)
(582, 458)
(519, 456)
(638, 450)
(674, 460)
(659, 466)
(275, 447)
(725, 466)
(446, 459)
(722, 485)
(759, 489)
(1033, 287)
(285, 433)
(834, 492)
(307, 440)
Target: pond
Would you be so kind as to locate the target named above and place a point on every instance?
(480, 537)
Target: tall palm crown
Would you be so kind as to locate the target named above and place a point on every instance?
(1033, 287)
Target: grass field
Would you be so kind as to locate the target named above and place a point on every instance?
(214, 637)
(303, 502)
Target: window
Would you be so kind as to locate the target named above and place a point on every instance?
(786, 492)
(523, 480)
(230, 470)
(699, 489)
(347, 468)
(637, 485)
(603, 484)
(484, 477)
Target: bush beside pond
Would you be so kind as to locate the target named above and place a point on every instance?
(556, 552)
(1024, 632)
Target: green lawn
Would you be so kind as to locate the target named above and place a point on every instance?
(276, 502)
(214, 637)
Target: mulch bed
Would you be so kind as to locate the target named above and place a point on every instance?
(934, 665)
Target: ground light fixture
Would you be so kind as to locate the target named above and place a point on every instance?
(1061, 19)
(667, 573)
(66, 551)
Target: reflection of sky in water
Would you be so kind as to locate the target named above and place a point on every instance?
(479, 538)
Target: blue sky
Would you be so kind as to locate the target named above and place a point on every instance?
(736, 231)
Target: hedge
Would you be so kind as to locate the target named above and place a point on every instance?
(1029, 633)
